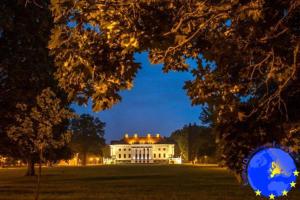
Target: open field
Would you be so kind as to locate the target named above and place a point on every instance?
(151, 182)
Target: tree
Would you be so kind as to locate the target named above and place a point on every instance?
(194, 142)
(180, 137)
(26, 69)
(34, 128)
(88, 132)
(55, 155)
(250, 79)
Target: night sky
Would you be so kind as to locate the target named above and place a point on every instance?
(156, 104)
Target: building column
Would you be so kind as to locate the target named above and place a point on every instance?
(147, 154)
(132, 156)
(142, 154)
(151, 155)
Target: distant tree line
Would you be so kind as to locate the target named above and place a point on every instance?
(88, 137)
(195, 143)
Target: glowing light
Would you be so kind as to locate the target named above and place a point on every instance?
(272, 196)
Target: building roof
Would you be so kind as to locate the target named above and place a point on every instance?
(136, 139)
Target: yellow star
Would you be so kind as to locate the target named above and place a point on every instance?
(257, 192)
(296, 173)
(272, 196)
(293, 184)
(284, 193)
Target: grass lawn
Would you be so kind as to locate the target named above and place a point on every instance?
(151, 182)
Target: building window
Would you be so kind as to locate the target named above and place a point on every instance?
(119, 149)
(158, 149)
(124, 155)
(129, 149)
(124, 149)
(164, 149)
(159, 155)
(164, 155)
(154, 155)
(129, 155)
(119, 155)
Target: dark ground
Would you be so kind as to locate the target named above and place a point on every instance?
(135, 182)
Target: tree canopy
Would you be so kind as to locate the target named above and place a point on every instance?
(87, 136)
(194, 141)
(26, 76)
(38, 128)
(250, 80)
(247, 54)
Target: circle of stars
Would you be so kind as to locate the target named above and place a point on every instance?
(284, 192)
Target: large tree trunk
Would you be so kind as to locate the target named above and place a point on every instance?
(30, 168)
(38, 186)
(84, 158)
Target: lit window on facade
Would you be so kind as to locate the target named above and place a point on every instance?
(141, 149)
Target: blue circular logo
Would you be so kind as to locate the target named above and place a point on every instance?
(272, 173)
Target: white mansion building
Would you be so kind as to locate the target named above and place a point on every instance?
(146, 149)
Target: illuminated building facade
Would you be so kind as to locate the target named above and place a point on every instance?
(145, 149)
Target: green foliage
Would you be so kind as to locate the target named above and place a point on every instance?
(194, 142)
(24, 65)
(88, 136)
(182, 147)
(88, 65)
(106, 151)
(33, 129)
(250, 92)
(26, 70)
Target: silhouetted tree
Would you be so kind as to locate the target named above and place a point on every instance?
(26, 70)
(88, 136)
(33, 129)
(194, 141)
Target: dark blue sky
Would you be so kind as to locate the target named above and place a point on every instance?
(156, 104)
